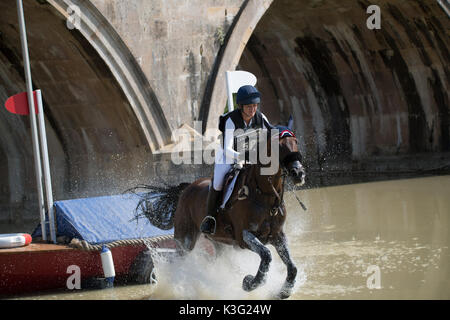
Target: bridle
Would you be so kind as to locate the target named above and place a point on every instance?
(278, 196)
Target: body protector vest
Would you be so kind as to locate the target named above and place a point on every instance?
(238, 121)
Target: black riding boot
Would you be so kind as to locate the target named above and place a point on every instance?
(209, 222)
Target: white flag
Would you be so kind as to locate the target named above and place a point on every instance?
(235, 80)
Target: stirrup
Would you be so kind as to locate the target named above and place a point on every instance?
(205, 226)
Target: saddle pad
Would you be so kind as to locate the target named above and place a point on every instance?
(228, 190)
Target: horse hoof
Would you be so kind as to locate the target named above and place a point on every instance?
(248, 283)
(284, 294)
(286, 291)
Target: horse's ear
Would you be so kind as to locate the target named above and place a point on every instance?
(290, 123)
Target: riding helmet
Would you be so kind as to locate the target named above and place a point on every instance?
(247, 95)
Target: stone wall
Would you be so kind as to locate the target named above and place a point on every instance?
(355, 93)
(364, 101)
(175, 43)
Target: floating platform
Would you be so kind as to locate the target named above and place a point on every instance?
(93, 222)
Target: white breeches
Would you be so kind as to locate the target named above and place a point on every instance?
(221, 168)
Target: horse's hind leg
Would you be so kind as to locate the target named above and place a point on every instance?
(186, 243)
(182, 246)
(219, 248)
(185, 233)
(252, 282)
(280, 244)
(185, 240)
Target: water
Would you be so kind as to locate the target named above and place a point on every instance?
(399, 228)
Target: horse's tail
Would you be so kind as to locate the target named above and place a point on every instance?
(158, 204)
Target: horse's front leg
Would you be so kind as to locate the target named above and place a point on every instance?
(280, 244)
(252, 282)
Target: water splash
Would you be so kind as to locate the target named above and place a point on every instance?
(199, 275)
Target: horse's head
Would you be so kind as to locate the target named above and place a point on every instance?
(290, 156)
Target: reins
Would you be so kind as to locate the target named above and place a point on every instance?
(277, 205)
(246, 193)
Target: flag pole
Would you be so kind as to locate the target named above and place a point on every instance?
(46, 165)
(34, 132)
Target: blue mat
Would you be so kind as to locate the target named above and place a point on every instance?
(101, 220)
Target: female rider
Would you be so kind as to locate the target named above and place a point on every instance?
(245, 117)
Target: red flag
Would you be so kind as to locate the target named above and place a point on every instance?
(18, 104)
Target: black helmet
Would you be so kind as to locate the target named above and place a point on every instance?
(248, 95)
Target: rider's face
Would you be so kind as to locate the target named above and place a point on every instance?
(249, 110)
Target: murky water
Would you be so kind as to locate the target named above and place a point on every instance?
(381, 240)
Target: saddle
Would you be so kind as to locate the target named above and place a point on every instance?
(230, 184)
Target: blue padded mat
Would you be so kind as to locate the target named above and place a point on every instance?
(102, 219)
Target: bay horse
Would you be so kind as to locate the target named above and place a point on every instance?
(251, 220)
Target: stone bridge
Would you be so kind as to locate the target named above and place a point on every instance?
(118, 77)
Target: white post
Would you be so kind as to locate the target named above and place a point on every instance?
(34, 133)
(229, 91)
(445, 6)
(234, 80)
(47, 176)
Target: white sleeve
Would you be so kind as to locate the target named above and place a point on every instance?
(228, 140)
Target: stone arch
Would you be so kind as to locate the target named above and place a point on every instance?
(240, 32)
(103, 122)
(108, 44)
(356, 94)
